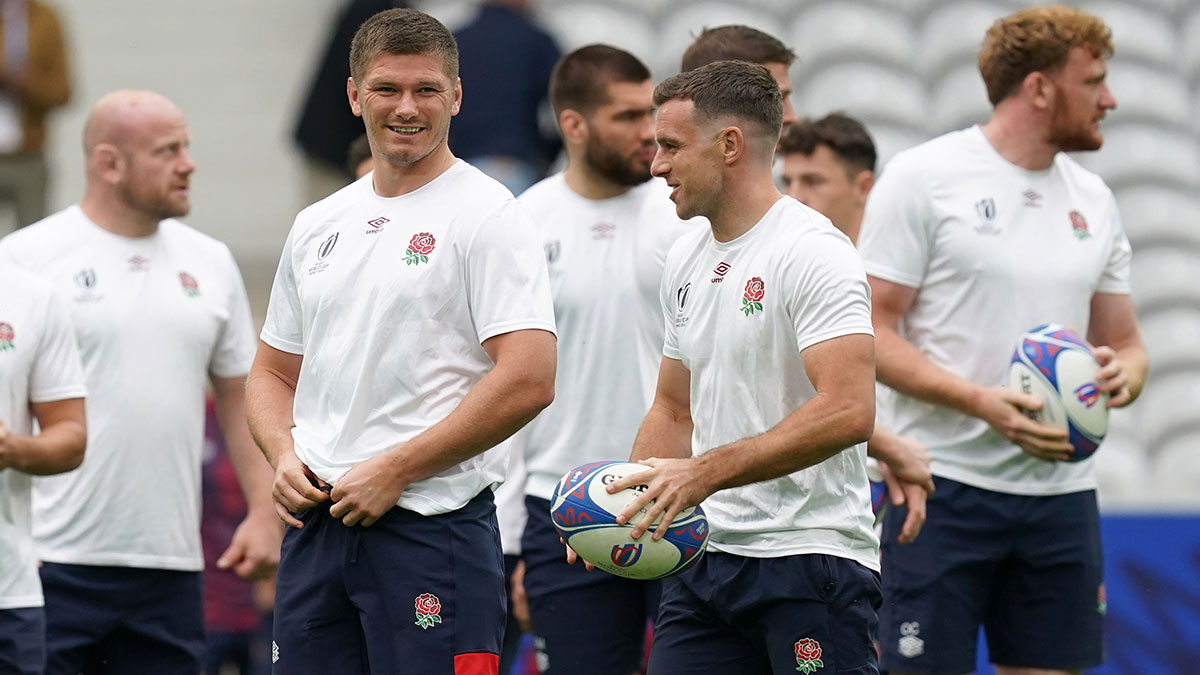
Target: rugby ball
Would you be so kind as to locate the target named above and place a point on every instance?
(1056, 366)
(585, 515)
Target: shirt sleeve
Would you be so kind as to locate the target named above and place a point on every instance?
(668, 299)
(57, 372)
(284, 325)
(1115, 278)
(508, 286)
(897, 228)
(829, 296)
(234, 351)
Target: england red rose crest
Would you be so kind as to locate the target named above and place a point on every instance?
(1079, 225)
(419, 248)
(190, 286)
(752, 298)
(429, 610)
(808, 655)
(7, 335)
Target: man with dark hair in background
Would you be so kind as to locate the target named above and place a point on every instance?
(765, 397)
(743, 43)
(410, 332)
(607, 227)
(829, 165)
(970, 240)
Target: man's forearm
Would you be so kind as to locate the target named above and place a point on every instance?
(269, 404)
(814, 432)
(56, 449)
(664, 433)
(901, 366)
(253, 472)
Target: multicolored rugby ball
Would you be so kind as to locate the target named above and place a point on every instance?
(1056, 366)
(585, 516)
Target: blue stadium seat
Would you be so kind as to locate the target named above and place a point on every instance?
(959, 100)
(851, 31)
(871, 92)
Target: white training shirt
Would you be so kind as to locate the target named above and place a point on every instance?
(154, 317)
(39, 363)
(743, 353)
(993, 250)
(606, 259)
(389, 299)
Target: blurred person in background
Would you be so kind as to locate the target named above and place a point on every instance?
(970, 240)
(743, 43)
(34, 80)
(829, 165)
(505, 60)
(327, 127)
(41, 380)
(358, 157)
(607, 227)
(235, 616)
(159, 311)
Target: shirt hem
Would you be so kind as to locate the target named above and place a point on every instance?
(58, 394)
(837, 333)
(514, 326)
(871, 562)
(135, 561)
(281, 344)
(894, 276)
(22, 602)
(1010, 488)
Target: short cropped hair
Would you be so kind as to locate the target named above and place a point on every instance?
(738, 88)
(1037, 39)
(402, 31)
(735, 43)
(845, 136)
(580, 79)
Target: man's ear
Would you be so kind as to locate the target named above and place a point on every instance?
(352, 95)
(732, 141)
(863, 181)
(1039, 88)
(108, 162)
(573, 126)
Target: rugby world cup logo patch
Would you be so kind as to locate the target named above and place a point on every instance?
(625, 555)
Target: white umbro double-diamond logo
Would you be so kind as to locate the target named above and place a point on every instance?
(274, 652)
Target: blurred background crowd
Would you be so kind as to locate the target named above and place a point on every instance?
(263, 86)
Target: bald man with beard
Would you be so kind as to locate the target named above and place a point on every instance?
(159, 311)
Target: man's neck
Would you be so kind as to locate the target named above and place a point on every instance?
(391, 180)
(1020, 141)
(112, 215)
(742, 208)
(588, 184)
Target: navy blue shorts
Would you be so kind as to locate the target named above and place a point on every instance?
(409, 594)
(583, 622)
(22, 641)
(1028, 569)
(748, 616)
(103, 619)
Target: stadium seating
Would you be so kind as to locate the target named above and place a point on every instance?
(1140, 153)
(1140, 32)
(681, 25)
(1151, 95)
(959, 99)
(951, 34)
(1171, 336)
(1159, 216)
(873, 92)
(1164, 277)
(576, 24)
(863, 32)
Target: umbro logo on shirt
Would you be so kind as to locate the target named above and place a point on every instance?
(377, 224)
(719, 271)
(603, 231)
(138, 264)
(1033, 199)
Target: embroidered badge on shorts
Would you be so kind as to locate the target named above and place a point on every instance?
(752, 298)
(808, 655)
(429, 610)
(419, 248)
